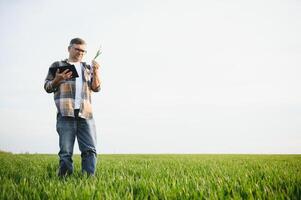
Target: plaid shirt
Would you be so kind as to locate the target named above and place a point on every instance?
(64, 94)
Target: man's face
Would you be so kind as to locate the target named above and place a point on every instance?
(76, 52)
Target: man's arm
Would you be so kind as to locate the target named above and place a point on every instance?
(48, 80)
(51, 83)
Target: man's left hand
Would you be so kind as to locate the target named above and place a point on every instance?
(95, 66)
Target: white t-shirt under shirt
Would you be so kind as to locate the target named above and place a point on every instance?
(78, 84)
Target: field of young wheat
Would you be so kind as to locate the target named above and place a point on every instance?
(33, 176)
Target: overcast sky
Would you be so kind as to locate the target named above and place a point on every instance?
(179, 76)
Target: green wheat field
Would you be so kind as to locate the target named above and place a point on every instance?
(135, 176)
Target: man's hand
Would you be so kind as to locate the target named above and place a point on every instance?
(95, 66)
(96, 80)
(59, 77)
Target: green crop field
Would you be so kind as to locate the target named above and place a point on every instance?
(33, 176)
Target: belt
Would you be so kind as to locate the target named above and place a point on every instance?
(76, 111)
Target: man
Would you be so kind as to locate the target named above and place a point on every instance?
(72, 97)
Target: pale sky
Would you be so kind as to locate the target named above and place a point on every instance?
(179, 76)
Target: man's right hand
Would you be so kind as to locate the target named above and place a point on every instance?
(59, 77)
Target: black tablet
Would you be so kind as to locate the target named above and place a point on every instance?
(63, 68)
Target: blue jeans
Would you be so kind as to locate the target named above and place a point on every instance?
(84, 129)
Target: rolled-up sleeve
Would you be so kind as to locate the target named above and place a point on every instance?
(95, 89)
(48, 81)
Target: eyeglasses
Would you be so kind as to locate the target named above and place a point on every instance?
(79, 50)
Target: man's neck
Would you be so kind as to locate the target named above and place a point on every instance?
(72, 60)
